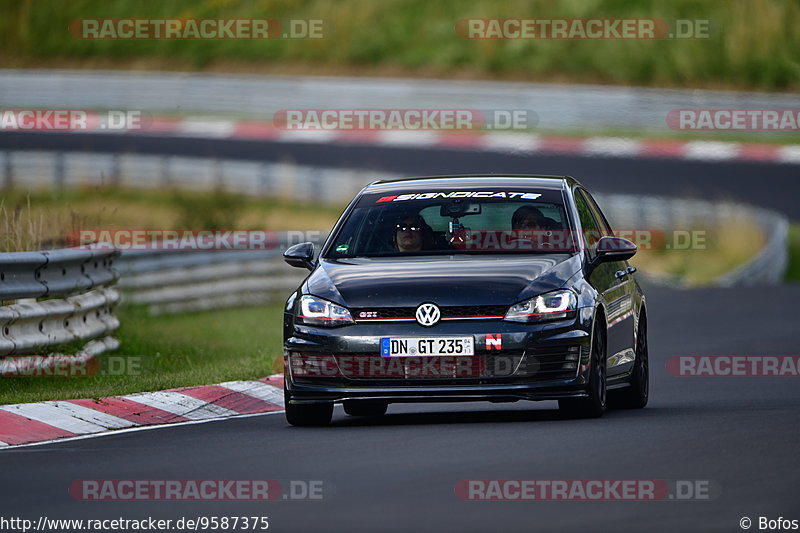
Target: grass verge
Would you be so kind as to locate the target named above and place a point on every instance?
(706, 254)
(164, 352)
(32, 219)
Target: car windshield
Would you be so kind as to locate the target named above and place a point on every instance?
(447, 222)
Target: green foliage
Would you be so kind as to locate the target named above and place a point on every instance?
(793, 270)
(754, 43)
(218, 210)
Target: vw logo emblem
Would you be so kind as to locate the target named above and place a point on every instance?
(428, 314)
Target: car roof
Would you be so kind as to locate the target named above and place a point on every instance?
(471, 180)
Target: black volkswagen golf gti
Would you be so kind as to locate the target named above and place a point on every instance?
(466, 288)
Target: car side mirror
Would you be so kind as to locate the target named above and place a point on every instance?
(613, 249)
(300, 255)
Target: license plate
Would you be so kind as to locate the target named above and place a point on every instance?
(425, 346)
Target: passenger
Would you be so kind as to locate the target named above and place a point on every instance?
(529, 226)
(527, 217)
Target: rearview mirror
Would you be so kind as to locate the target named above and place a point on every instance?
(614, 249)
(458, 208)
(300, 255)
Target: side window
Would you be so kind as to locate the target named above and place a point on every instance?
(591, 231)
(605, 227)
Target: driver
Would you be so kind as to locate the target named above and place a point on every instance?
(412, 234)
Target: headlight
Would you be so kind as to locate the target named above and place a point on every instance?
(318, 312)
(549, 306)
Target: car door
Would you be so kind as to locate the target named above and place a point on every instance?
(613, 287)
(621, 306)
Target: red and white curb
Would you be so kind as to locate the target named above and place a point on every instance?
(489, 141)
(47, 421)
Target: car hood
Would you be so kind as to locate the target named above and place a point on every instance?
(451, 280)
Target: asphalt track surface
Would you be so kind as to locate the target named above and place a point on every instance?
(760, 183)
(399, 472)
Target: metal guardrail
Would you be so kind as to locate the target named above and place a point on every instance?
(57, 297)
(582, 107)
(42, 169)
(54, 272)
(179, 281)
(768, 266)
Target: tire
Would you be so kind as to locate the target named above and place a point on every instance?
(595, 404)
(364, 408)
(635, 396)
(309, 415)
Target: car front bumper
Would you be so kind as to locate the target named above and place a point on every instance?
(538, 361)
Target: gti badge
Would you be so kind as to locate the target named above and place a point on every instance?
(428, 314)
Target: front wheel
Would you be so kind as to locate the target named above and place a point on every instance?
(635, 395)
(594, 405)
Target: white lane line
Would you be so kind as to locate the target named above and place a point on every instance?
(711, 150)
(613, 146)
(511, 142)
(789, 154)
(207, 128)
(180, 404)
(69, 416)
(256, 389)
(407, 138)
(307, 136)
